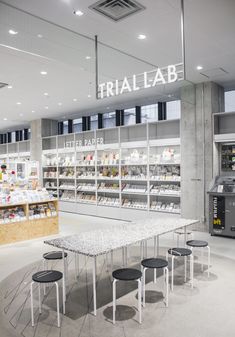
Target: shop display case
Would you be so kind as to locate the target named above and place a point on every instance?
(129, 167)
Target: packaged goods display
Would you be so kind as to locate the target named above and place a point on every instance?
(86, 159)
(165, 206)
(82, 197)
(165, 189)
(137, 204)
(131, 188)
(168, 155)
(108, 158)
(108, 172)
(86, 187)
(108, 187)
(134, 172)
(85, 172)
(18, 196)
(67, 185)
(68, 196)
(50, 160)
(164, 172)
(109, 201)
(135, 157)
(66, 160)
(228, 157)
(50, 173)
(42, 211)
(50, 184)
(12, 214)
(67, 172)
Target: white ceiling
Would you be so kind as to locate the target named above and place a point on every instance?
(62, 51)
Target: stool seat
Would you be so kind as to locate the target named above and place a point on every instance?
(197, 243)
(180, 251)
(54, 255)
(127, 274)
(47, 276)
(154, 263)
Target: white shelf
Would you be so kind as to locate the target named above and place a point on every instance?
(164, 211)
(135, 193)
(107, 178)
(165, 195)
(108, 191)
(67, 178)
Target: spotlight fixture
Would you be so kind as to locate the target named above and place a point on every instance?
(21, 115)
(40, 36)
(89, 96)
(199, 67)
(141, 37)
(59, 103)
(78, 12)
(18, 103)
(33, 111)
(46, 107)
(12, 32)
(75, 99)
(46, 94)
(88, 57)
(43, 72)
(9, 86)
(5, 119)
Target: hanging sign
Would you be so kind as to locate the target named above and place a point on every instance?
(148, 79)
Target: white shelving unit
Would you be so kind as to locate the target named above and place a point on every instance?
(18, 151)
(118, 172)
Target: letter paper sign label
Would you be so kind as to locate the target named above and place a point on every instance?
(218, 213)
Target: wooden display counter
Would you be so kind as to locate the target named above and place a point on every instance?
(30, 227)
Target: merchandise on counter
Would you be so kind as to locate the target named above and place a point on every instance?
(86, 198)
(67, 196)
(111, 158)
(67, 172)
(108, 187)
(134, 188)
(42, 211)
(136, 204)
(108, 201)
(23, 196)
(108, 172)
(10, 215)
(173, 189)
(165, 207)
(134, 172)
(86, 187)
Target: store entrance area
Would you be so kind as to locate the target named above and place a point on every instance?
(188, 308)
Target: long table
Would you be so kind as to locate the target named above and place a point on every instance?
(99, 242)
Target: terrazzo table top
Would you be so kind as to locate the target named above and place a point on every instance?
(98, 242)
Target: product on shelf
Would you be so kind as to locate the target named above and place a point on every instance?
(108, 187)
(86, 198)
(165, 189)
(42, 211)
(67, 185)
(136, 204)
(165, 207)
(50, 173)
(165, 172)
(67, 172)
(108, 201)
(136, 157)
(85, 172)
(10, 215)
(228, 157)
(50, 184)
(108, 172)
(23, 196)
(67, 196)
(109, 158)
(86, 187)
(66, 160)
(168, 155)
(134, 172)
(50, 160)
(131, 188)
(87, 159)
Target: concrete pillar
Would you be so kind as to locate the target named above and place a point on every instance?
(198, 103)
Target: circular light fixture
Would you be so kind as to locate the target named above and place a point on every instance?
(33, 111)
(40, 36)
(89, 96)
(18, 103)
(59, 103)
(78, 12)
(21, 115)
(46, 107)
(43, 72)
(12, 32)
(75, 99)
(46, 94)
(9, 86)
(88, 57)
(199, 67)
(141, 37)
(5, 119)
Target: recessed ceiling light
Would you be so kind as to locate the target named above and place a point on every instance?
(9, 86)
(141, 37)
(75, 99)
(89, 96)
(60, 103)
(40, 36)
(46, 94)
(107, 107)
(5, 119)
(46, 107)
(78, 12)
(12, 32)
(88, 57)
(199, 67)
(21, 115)
(43, 72)
(18, 103)
(33, 111)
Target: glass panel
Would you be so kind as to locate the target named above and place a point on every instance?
(229, 100)
(149, 113)
(109, 120)
(134, 133)
(173, 109)
(129, 116)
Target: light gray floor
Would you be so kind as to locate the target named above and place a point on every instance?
(205, 311)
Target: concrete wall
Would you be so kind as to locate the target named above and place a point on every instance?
(198, 103)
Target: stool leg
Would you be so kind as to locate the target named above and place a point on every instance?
(155, 244)
(44, 285)
(31, 297)
(167, 285)
(63, 280)
(158, 245)
(178, 240)
(39, 298)
(139, 301)
(172, 272)
(209, 260)
(144, 271)
(111, 261)
(155, 275)
(185, 269)
(67, 270)
(106, 261)
(114, 301)
(191, 270)
(76, 258)
(123, 258)
(202, 259)
(126, 253)
(63, 296)
(57, 304)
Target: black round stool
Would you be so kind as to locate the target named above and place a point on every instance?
(53, 256)
(181, 252)
(126, 274)
(44, 277)
(156, 263)
(201, 245)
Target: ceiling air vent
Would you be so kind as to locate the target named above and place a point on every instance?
(2, 85)
(117, 9)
